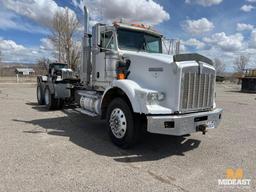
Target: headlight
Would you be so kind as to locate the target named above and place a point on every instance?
(154, 98)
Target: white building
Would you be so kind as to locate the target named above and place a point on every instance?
(24, 71)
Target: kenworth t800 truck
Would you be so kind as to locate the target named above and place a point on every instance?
(126, 79)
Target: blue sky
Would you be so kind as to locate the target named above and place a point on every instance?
(216, 28)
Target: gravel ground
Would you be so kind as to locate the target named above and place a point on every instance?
(67, 151)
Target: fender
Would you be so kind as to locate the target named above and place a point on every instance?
(137, 97)
(128, 87)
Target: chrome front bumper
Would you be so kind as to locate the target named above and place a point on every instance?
(183, 124)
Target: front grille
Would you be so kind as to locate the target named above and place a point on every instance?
(197, 91)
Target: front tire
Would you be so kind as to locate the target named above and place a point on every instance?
(122, 126)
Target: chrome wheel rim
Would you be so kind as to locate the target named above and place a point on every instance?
(46, 97)
(38, 94)
(118, 123)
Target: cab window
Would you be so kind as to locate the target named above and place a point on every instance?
(107, 40)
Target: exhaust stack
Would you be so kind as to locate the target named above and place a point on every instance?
(86, 19)
(85, 71)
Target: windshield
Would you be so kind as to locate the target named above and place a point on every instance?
(59, 66)
(139, 41)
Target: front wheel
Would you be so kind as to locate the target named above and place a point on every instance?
(122, 128)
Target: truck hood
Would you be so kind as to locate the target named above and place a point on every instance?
(155, 72)
(165, 73)
(156, 57)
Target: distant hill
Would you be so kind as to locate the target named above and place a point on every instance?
(7, 65)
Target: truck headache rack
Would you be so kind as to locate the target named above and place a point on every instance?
(192, 57)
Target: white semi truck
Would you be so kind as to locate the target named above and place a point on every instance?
(126, 79)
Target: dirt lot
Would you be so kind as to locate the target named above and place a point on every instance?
(66, 151)
(21, 79)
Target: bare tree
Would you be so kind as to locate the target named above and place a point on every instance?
(42, 66)
(219, 66)
(63, 28)
(241, 63)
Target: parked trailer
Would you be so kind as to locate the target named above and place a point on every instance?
(249, 81)
(126, 79)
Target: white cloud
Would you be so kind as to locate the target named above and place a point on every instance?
(196, 27)
(17, 53)
(10, 20)
(247, 8)
(7, 20)
(46, 44)
(253, 39)
(79, 4)
(205, 3)
(147, 11)
(183, 48)
(226, 43)
(194, 43)
(251, 1)
(10, 45)
(244, 27)
(40, 11)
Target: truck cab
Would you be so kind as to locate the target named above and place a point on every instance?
(173, 94)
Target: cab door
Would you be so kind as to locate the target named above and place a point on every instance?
(107, 44)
